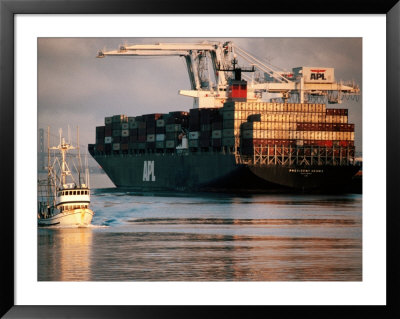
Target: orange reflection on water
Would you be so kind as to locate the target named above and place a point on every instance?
(68, 254)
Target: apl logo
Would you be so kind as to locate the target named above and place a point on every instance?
(318, 75)
(148, 170)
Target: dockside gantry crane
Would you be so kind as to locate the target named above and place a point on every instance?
(210, 86)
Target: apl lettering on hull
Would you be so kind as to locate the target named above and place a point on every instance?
(148, 171)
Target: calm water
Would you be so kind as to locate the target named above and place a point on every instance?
(203, 237)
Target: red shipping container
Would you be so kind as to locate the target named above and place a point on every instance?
(100, 147)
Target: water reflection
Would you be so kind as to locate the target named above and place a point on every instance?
(205, 257)
(66, 252)
(161, 238)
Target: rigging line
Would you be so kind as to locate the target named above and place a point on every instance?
(57, 136)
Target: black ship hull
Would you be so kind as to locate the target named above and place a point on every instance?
(219, 172)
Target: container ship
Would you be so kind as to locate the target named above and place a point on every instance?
(238, 142)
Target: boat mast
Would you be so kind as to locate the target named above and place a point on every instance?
(48, 166)
(63, 148)
(79, 158)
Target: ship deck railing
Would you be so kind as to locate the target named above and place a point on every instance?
(267, 155)
(299, 156)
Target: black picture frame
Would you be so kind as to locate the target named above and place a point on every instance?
(8, 10)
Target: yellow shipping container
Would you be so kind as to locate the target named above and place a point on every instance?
(328, 119)
(285, 135)
(285, 117)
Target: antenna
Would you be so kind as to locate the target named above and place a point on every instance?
(60, 132)
(79, 157)
(69, 135)
(87, 171)
(48, 166)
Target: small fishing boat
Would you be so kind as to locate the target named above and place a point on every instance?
(64, 199)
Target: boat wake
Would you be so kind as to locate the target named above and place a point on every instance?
(90, 226)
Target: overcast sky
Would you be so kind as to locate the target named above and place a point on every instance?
(76, 89)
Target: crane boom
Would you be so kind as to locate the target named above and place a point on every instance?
(210, 86)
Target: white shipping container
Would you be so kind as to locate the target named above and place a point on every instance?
(108, 140)
(125, 126)
(116, 146)
(125, 132)
(108, 120)
(160, 137)
(194, 135)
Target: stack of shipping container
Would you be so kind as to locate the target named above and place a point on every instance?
(240, 126)
(290, 125)
(140, 134)
(205, 128)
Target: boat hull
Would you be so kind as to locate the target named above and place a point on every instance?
(217, 172)
(75, 217)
